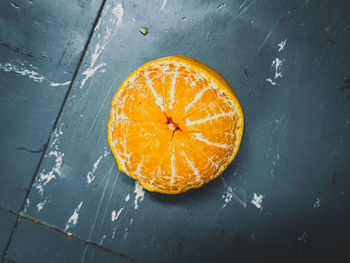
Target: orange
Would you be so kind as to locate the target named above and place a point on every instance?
(175, 124)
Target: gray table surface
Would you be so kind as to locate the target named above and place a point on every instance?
(61, 63)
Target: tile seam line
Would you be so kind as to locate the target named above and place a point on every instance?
(91, 33)
(73, 236)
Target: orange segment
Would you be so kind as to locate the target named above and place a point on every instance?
(175, 125)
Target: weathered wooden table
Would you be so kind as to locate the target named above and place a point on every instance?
(285, 198)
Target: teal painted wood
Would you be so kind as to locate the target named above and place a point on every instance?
(41, 43)
(35, 243)
(7, 222)
(288, 64)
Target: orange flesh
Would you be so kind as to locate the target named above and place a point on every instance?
(175, 124)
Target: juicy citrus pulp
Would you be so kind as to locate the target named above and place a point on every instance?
(175, 124)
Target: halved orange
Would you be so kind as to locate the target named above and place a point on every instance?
(175, 124)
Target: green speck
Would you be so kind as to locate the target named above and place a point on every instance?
(143, 31)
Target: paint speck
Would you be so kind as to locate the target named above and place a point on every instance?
(227, 196)
(73, 220)
(270, 81)
(139, 195)
(102, 239)
(257, 200)
(232, 193)
(113, 233)
(127, 198)
(126, 233)
(303, 237)
(26, 206)
(347, 123)
(90, 176)
(118, 11)
(277, 65)
(317, 203)
(163, 5)
(115, 215)
(41, 205)
(281, 45)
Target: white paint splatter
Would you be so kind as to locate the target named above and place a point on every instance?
(277, 65)
(126, 233)
(41, 205)
(163, 5)
(113, 233)
(270, 81)
(139, 194)
(55, 84)
(55, 137)
(115, 215)
(111, 27)
(317, 203)
(102, 239)
(281, 45)
(257, 200)
(73, 220)
(118, 11)
(91, 174)
(26, 206)
(23, 70)
(89, 72)
(303, 237)
(229, 194)
(45, 178)
(127, 198)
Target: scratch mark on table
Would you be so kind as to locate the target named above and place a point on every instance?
(242, 4)
(108, 202)
(100, 110)
(229, 194)
(244, 10)
(96, 215)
